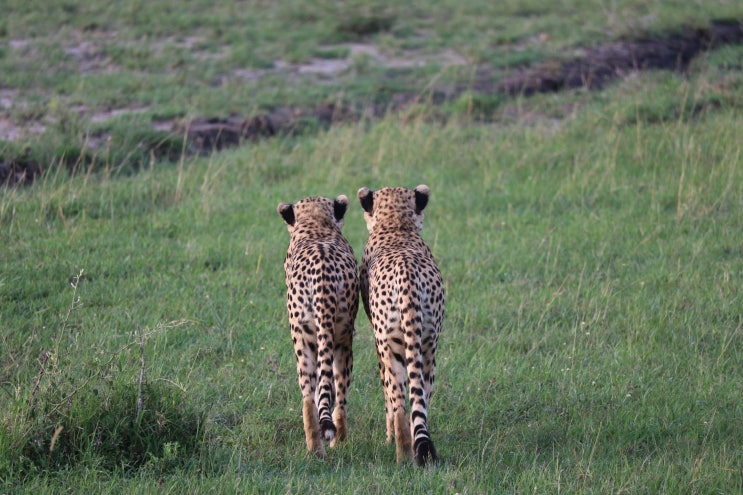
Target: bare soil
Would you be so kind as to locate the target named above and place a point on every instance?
(605, 63)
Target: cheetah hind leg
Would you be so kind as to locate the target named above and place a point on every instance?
(342, 371)
(312, 428)
(403, 439)
(390, 422)
(388, 407)
(339, 418)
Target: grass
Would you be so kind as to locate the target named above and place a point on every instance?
(590, 244)
(593, 306)
(74, 68)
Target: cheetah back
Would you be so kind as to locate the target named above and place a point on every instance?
(403, 296)
(322, 302)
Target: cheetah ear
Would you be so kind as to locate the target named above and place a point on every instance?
(366, 198)
(286, 210)
(422, 193)
(340, 205)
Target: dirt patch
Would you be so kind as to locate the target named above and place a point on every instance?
(358, 54)
(6, 98)
(19, 172)
(213, 134)
(90, 58)
(603, 64)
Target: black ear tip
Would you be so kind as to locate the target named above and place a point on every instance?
(366, 198)
(362, 193)
(340, 205)
(422, 193)
(423, 189)
(286, 210)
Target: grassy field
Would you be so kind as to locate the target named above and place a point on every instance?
(590, 243)
(95, 83)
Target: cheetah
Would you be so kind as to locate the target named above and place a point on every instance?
(403, 296)
(322, 299)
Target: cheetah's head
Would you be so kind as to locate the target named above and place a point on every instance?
(314, 212)
(397, 208)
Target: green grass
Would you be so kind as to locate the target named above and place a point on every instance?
(590, 245)
(592, 340)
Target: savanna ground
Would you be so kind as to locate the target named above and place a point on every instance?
(585, 166)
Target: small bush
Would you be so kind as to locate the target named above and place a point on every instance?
(105, 425)
(359, 21)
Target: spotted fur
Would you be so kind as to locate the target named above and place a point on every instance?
(322, 300)
(403, 296)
